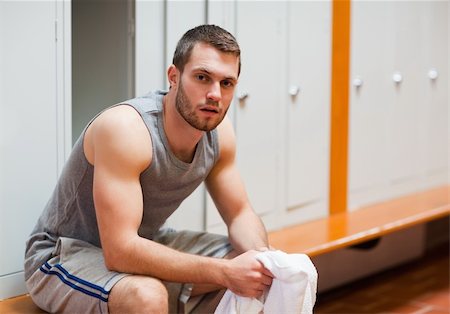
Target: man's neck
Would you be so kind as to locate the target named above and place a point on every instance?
(182, 137)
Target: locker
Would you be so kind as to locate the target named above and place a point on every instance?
(259, 97)
(398, 107)
(308, 109)
(434, 84)
(32, 147)
(180, 17)
(372, 93)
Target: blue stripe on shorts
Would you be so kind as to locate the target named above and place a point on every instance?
(75, 282)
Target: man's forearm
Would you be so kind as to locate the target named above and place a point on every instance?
(244, 275)
(247, 232)
(145, 257)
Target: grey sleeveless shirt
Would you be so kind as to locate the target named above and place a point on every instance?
(165, 184)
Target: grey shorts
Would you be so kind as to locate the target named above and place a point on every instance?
(75, 279)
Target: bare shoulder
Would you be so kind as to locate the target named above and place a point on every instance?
(119, 133)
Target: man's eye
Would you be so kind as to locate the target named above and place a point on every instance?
(201, 77)
(227, 83)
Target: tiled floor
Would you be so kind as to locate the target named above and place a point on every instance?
(421, 287)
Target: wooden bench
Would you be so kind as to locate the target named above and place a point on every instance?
(350, 228)
(334, 232)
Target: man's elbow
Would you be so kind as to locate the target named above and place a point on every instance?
(110, 260)
(114, 259)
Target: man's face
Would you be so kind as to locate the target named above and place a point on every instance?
(206, 87)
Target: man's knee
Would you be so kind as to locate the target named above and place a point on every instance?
(138, 294)
(151, 294)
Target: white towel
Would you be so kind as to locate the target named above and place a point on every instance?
(293, 288)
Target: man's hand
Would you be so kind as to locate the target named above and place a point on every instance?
(246, 276)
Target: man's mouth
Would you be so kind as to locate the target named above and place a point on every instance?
(212, 109)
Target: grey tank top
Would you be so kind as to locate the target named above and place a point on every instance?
(165, 184)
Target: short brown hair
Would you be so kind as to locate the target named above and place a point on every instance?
(212, 35)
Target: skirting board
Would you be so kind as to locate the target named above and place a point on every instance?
(12, 285)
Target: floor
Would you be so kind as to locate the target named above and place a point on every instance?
(421, 287)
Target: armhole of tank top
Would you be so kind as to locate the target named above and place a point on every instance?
(216, 145)
(83, 134)
(110, 107)
(150, 166)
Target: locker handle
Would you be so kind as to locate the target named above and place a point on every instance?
(358, 82)
(433, 74)
(397, 77)
(243, 96)
(294, 90)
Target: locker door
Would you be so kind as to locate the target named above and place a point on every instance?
(434, 82)
(308, 108)
(220, 13)
(403, 148)
(150, 68)
(371, 99)
(28, 128)
(261, 94)
(259, 101)
(180, 17)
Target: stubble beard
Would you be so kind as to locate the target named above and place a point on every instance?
(183, 106)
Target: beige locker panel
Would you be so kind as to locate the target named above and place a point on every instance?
(434, 83)
(404, 134)
(260, 98)
(308, 108)
(28, 128)
(259, 102)
(150, 68)
(372, 93)
(180, 17)
(221, 13)
(398, 126)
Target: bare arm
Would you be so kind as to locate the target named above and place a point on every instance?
(245, 229)
(120, 151)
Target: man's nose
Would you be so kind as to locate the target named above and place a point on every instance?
(214, 92)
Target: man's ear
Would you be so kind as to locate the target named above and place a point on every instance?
(173, 75)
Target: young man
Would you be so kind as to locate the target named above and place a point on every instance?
(99, 245)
